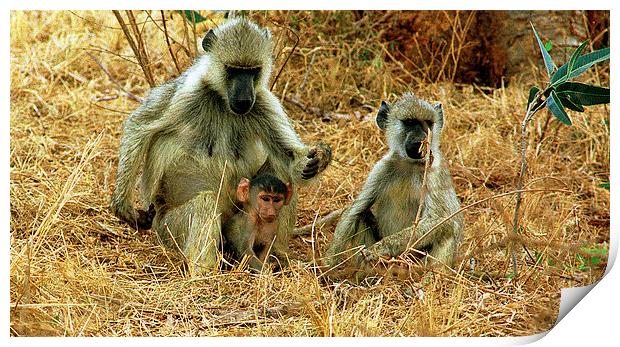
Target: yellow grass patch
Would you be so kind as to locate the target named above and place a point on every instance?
(76, 270)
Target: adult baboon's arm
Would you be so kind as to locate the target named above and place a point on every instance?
(138, 130)
(133, 147)
(304, 162)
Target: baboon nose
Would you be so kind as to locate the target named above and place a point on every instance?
(242, 106)
(413, 150)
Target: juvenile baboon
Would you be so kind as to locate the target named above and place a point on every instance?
(381, 217)
(252, 230)
(195, 136)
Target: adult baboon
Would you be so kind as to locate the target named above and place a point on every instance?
(251, 232)
(381, 217)
(195, 136)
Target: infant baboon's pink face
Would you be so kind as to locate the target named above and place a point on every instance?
(269, 205)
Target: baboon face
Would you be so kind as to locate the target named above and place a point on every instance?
(268, 205)
(241, 51)
(413, 133)
(240, 88)
(264, 195)
(407, 124)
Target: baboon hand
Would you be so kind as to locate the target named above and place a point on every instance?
(145, 218)
(141, 219)
(318, 157)
(369, 256)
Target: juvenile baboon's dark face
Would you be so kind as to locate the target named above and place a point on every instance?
(240, 88)
(405, 135)
(414, 133)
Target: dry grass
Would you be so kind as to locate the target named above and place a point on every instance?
(76, 270)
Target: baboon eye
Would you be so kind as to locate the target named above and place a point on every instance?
(255, 72)
(429, 123)
(235, 71)
(410, 122)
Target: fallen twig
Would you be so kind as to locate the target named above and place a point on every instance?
(328, 220)
(327, 116)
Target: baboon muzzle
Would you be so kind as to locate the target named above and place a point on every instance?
(413, 150)
(241, 95)
(413, 143)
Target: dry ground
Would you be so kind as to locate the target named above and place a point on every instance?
(76, 270)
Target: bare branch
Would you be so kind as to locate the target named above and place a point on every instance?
(141, 52)
(174, 58)
(287, 57)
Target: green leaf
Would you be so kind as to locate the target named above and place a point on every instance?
(581, 65)
(583, 94)
(377, 62)
(568, 103)
(555, 106)
(546, 57)
(595, 249)
(574, 56)
(604, 185)
(548, 46)
(533, 91)
(193, 16)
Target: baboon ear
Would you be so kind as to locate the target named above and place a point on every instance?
(382, 115)
(208, 40)
(289, 193)
(243, 190)
(439, 109)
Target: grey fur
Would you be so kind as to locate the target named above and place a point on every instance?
(193, 149)
(381, 217)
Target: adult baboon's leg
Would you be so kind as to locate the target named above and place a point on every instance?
(194, 228)
(286, 223)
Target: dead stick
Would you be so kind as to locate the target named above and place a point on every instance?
(174, 58)
(132, 44)
(143, 56)
(324, 221)
(287, 57)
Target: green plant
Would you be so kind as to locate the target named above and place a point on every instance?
(559, 94)
(591, 257)
(192, 16)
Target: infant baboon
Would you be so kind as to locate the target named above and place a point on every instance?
(195, 136)
(251, 232)
(381, 217)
